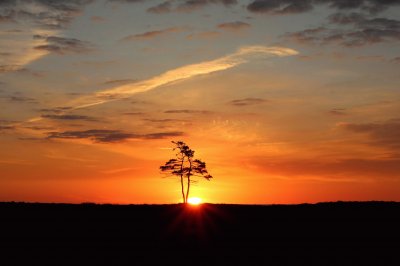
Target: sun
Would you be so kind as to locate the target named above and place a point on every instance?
(194, 201)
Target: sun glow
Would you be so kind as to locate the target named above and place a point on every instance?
(194, 201)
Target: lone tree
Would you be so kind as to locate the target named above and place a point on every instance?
(186, 167)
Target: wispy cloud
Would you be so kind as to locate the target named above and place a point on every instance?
(384, 134)
(187, 111)
(71, 117)
(119, 81)
(356, 168)
(338, 112)
(247, 101)
(186, 5)
(10, 68)
(18, 99)
(234, 26)
(151, 34)
(62, 45)
(18, 49)
(40, 18)
(110, 136)
(164, 7)
(237, 58)
(126, 1)
(43, 13)
(241, 56)
(396, 60)
(191, 5)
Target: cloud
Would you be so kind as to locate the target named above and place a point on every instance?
(382, 134)
(61, 45)
(19, 99)
(97, 135)
(342, 170)
(18, 49)
(10, 68)
(70, 117)
(338, 112)
(372, 6)
(187, 111)
(109, 136)
(247, 101)
(365, 31)
(134, 113)
(6, 18)
(166, 120)
(360, 21)
(5, 54)
(396, 60)
(56, 110)
(42, 13)
(20, 70)
(162, 135)
(6, 125)
(237, 58)
(119, 81)
(346, 29)
(191, 5)
(186, 5)
(301, 6)
(151, 34)
(40, 128)
(164, 7)
(280, 6)
(234, 26)
(126, 1)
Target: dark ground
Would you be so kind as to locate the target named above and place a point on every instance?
(343, 233)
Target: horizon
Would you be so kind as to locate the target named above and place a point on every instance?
(286, 103)
(189, 205)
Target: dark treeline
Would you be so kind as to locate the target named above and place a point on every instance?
(341, 233)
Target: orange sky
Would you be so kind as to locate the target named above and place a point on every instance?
(284, 104)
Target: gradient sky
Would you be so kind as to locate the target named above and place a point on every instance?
(288, 101)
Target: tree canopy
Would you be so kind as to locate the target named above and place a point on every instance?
(186, 167)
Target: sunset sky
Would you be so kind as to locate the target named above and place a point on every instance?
(287, 101)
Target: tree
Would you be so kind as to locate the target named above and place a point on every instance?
(186, 167)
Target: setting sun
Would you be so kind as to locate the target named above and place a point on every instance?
(194, 201)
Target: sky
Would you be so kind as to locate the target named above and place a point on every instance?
(287, 101)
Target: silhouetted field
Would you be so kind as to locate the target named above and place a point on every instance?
(342, 233)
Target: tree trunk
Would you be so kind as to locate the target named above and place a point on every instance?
(188, 180)
(183, 190)
(188, 188)
(182, 186)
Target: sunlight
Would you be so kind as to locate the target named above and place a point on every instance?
(194, 201)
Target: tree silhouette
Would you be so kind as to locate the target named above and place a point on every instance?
(186, 167)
